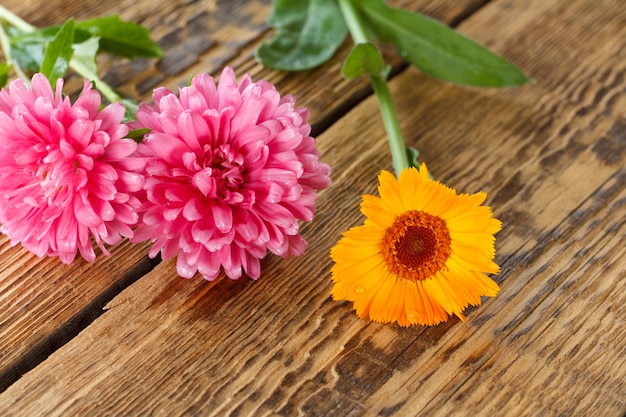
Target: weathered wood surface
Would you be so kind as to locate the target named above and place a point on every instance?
(550, 155)
(49, 303)
(57, 310)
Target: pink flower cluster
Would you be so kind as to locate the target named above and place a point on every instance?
(226, 173)
(67, 174)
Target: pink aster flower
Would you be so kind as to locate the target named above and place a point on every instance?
(64, 174)
(231, 171)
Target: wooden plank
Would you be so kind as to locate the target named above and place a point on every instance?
(204, 37)
(46, 303)
(559, 330)
(552, 157)
(189, 50)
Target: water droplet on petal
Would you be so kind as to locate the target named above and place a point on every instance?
(413, 315)
(359, 289)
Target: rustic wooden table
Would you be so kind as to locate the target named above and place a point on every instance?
(127, 336)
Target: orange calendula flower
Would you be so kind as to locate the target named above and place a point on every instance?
(420, 256)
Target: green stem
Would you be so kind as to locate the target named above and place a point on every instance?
(15, 20)
(353, 21)
(103, 87)
(5, 46)
(381, 89)
(80, 69)
(399, 155)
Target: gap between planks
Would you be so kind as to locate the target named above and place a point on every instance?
(94, 309)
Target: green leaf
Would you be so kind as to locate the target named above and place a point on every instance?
(437, 49)
(130, 114)
(138, 134)
(40, 36)
(308, 34)
(364, 59)
(85, 53)
(28, 56)
(25, 50)
(121, 38)
(4, 74)
(28, 48)
(413, 155)
(59, 53)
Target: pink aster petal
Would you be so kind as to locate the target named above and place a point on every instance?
(88, 102)
(61, 168)
(108, 116)
(184, 269)
(209, 265)
(40, 88)
(170, 103)
(85, 212)
(193, 99)
(194, 209)
(129, 182)
(120, 149)
(205, 86)
(194, 130)
(227, 91)
(230, 173)
(251, 265)
(167, 148)
(157, 95)
(223, 217)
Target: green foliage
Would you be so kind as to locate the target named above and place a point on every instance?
(4, 74)
(59, 52)
(52, 50)
(28, 51)
(121, 38)
(85, 53)
(138, 134)
(438, 50)
(413, 155)
(364, 59)
(90, 37)
(308, 34)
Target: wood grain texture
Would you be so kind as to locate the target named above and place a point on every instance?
(552, 158)
(46, 303)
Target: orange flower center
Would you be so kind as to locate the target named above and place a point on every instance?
(416, 246)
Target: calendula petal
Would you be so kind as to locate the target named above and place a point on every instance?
(422, 254)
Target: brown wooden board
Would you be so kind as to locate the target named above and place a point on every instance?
(551, 156)
(46, 303)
